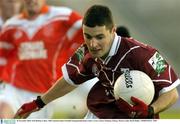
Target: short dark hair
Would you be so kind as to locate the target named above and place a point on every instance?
(98, 15)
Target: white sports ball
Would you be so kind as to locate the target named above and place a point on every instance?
(134, 83)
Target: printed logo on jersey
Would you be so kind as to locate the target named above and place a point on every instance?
(128, 77)
(158, 63)
(6, 45)
(123, 70)
(80, 54)
(32, 50)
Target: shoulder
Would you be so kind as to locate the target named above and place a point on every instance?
(12, 23)
(13, 20)
(136, 50)
(63, 13)
(60, 10)
(133, 43)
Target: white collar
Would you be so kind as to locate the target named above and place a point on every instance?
(114, 48)
(115, 45)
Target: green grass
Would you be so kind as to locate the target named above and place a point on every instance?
(67, 115)
(170, 114)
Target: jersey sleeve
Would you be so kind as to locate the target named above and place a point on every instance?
(161, 73)
(75, 72)
(74, 34)
(165, 78)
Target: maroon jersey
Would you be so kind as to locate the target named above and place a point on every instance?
(125, 54)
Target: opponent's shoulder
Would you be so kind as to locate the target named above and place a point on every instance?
(56, 10)
(12, 21)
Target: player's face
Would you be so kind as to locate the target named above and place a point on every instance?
(98, 40)
(33, 6)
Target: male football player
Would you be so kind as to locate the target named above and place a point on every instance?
(106, 56)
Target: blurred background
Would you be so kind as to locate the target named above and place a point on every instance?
(154, 22)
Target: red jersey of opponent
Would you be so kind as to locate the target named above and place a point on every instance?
(34, 50)
(125, 54)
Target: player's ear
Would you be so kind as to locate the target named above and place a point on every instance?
(114, 29)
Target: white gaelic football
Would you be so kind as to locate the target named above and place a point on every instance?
(134, 83)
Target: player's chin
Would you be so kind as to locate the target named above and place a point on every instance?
(94, 54)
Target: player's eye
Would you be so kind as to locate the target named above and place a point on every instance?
(99, 37)
(88, 37)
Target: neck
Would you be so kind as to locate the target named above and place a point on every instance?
(33, 14)
(112, 40)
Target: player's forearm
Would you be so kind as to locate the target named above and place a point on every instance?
(165, 101)
(60, 88)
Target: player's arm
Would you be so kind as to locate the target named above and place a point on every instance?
(60, 88)
(165, 100)
(165, 79)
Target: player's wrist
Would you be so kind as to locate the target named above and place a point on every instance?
(39, 102)
(150, 111)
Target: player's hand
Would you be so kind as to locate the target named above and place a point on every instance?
(142, 109)
(26, 109)
(125, 107)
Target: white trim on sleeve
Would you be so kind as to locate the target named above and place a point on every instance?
(166, 89)
(66, 76)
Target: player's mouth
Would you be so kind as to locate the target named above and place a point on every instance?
(95, 51)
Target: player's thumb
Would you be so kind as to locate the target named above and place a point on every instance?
(136, 101)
